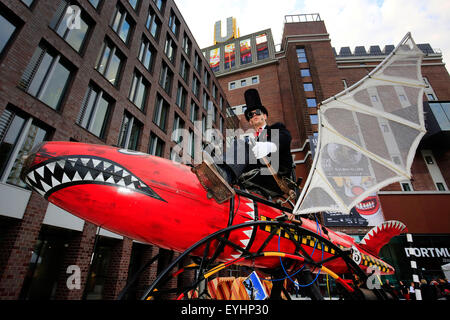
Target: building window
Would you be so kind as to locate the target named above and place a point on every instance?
(406, 186)
(177, 132)
(440, 186)
(138, 90)
(95, 111)
(109, 62)
(305, 73)
(301, 55)
(230, 56)
(431, 97)
(191, 144)
(311, 102)
(314, 118)
(19, 134)
(181, 97)
(195, 86)
(122, 24)
(156, 147)
(130, 132)
(160, 113)
(28, 3)
(7, 30)
(159, 4)
(95, 3)
(206, 78)
(184, 70)
(246, 51)
(170, 49)
(197, 63)
(75, 35)
(243, 83)
(165, 78)
(134, 4)
(262, 48)
(186, 45)
(47, 76)
(153, 24)
(174, 24)
(214, 59)
(308, 87)
(205, 100)
(194, 112)
(147, 54)
(232, 85)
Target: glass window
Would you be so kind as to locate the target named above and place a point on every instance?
(28, 3)
(109, 62)
(440, 186)
(19, 134)
(174, 24)
(159, 4)
(206, 78)
(130, 132)
(46, 77)
(7, 29)
(406, 187)
(156, 145)
(205, 100)
(95, 111)
(191, 143)
(230, 56)
(197, 63)
(146, 54)
(134, 4)
(181, 97)
(184, 70)
(122, 24)
(194, 112)
(160, 113)
(214, 59)
(308, 87)
(187, 45)
(195, 86)
(165, 78)
(170, 49)
(262, 48)
(301, 55)
(138, 90)
(95, 3)
(305, 73)
(311, 102)
(246, 51)
(153, 24)
(73, 33)
(178, 126)
(314, 118)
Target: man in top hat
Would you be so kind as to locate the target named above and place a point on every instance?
(271, 143)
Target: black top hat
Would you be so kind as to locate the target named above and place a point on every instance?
(253, 102)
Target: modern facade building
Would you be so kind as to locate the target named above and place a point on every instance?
(129, 73)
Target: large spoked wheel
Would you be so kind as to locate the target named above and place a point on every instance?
(295, 266)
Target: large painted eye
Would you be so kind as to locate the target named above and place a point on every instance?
(132, 152)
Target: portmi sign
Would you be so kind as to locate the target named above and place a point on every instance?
(428, 252)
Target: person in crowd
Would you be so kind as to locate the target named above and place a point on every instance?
(403, 289)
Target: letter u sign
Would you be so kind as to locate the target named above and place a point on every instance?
(231, 29)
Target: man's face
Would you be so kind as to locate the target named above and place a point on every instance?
(257, 120)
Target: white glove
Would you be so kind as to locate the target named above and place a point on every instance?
(262, 149)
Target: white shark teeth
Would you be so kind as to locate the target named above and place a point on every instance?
(81, 169)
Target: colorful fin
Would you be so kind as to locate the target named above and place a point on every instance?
(380, 235)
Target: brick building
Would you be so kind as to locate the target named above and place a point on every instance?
(123, 73)
(305, 70)
(129, 73)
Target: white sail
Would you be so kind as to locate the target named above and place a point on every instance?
(368, 134)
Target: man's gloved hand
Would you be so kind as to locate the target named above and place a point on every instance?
(262, 149)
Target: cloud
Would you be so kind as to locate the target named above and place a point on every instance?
(369, 22)
(349, 23)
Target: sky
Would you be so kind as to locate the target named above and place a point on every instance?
(350, 23)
